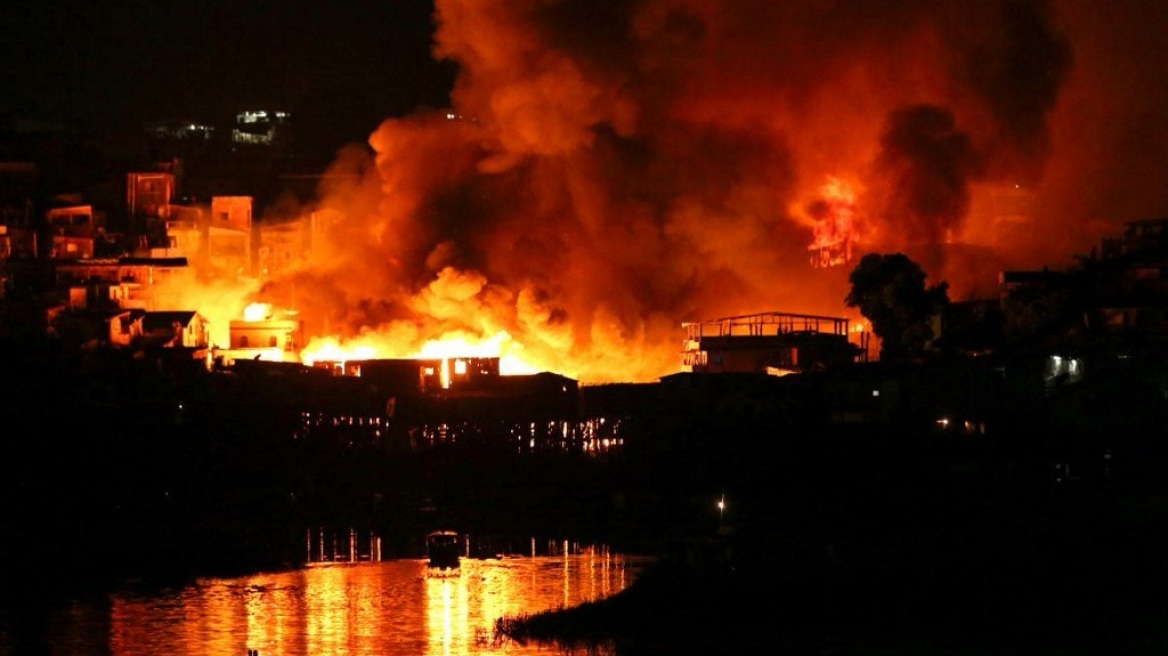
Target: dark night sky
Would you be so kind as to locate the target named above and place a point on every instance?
(110, 67)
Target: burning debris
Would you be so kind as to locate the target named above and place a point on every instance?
(834, 216)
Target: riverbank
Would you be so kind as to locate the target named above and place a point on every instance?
(1060, 578)
(667, 612)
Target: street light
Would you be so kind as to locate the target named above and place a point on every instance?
(721, 506)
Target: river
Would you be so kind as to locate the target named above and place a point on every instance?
(389, 608)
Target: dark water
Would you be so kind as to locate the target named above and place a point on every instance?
(388, 608)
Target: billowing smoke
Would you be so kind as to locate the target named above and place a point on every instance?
(1016, 65)
(609, 170)
(920, 182)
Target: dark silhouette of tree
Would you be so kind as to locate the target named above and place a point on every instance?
(890, 291)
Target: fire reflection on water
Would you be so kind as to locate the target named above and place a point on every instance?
(440, 614)
(393, 608)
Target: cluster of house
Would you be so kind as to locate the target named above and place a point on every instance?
(71, 271)
(1121, 288)
(69, 262)
(96, 282)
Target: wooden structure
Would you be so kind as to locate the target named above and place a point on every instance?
(770, 342)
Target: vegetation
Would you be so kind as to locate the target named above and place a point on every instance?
(890, 291)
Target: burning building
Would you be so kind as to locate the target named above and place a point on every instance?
(264, 335)
(602, 174)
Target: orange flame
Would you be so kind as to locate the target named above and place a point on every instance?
(450, 345)
(257, 311)
(833, 221)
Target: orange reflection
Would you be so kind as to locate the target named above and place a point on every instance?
(390, 608)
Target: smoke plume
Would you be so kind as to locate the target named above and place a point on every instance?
(921, 178)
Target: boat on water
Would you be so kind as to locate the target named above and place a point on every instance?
(443, 548)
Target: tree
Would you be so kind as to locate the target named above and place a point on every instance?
(890, 291)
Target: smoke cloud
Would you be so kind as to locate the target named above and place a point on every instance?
(610, 170)
(921, 178)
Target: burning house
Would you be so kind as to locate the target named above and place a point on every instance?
(413, 376)
(265, 335)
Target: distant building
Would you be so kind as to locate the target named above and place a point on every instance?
(126, 282)
(1142, 240)
(769, 342)
(1129, 282)
(273, 338)
(215, 236)
(71, 232)
(465, 399)
(95, 328)
(182, 328)
(422, 375)
(174, 130)
(282, 245)
(149, 193)
(1014, 282)
(1120, 292)
(229, 234)
(261, 128)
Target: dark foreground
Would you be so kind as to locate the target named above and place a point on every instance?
(1046, 532)
(1073, 570)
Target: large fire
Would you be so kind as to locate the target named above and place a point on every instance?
(444, 347)
(608, 171)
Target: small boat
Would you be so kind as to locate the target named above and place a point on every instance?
(442, 548)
